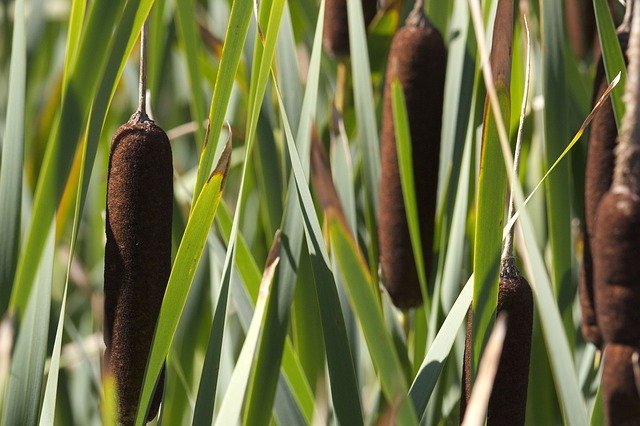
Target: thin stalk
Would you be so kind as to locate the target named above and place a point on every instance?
(508, 261)
(417, 17)
(141, 114)
(627, 169)
(628, 13)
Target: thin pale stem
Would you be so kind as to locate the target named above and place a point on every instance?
(508, 262)
(627, 169)
(142, 87)
(628, 14)
(417, 17)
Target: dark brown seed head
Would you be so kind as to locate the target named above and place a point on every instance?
(137, 255)
(336, 25)
(581, 26)
(621, 400)
(616, 267)
(418, 60)
(508, 400)
(598, 179)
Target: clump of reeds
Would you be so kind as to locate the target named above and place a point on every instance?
(598, 178)
(615, 248)
(336, 25)
(418, 60)
(137, 251)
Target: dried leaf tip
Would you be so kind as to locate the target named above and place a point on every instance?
(223, 164)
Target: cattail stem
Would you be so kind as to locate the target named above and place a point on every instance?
(141, 113)
(508, 262)
(628, 14)
(627, 168)
(417, 17)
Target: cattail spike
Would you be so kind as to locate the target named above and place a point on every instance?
(418, 60)
(336, 25)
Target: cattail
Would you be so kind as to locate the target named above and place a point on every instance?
(508, 400)
(336, 25)
(418, 60)
(581, 26)
(137, 252)
(620, 392)
(598, 178)
(615, 247)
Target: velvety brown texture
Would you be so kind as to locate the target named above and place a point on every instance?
(620, 395)
(508, 401)
(336, 25)
(581, 26)
(137, 256)
(617, 267)
(598, 178)
(418, 59)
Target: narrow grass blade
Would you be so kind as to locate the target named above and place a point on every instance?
(363, 99)
(190, 42)
(182, 272)
(231, 53)
(405, 160)
(27, 367)
(234, 396)
(612, 55)
(272, 339)
(12, 158)
(361, 291)
(558, 184)
(427, 377)
(344, 384)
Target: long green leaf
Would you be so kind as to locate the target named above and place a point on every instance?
(361, 291)
(13, 158)
(612, 55)
(234, 397)
(182, 272)
(27, 368)
(272, 340)
(231, 53)
(405, 160)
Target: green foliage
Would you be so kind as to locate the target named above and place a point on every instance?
(312, 337)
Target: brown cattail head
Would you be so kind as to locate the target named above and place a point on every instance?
(508, 400)
(336, 25)
(616, 267)
(466, 366)
(581, 26)
(137, 254)
(598, 179)
(418, 60)
(621, 400)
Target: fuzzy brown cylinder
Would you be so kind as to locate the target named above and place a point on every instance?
(616, 267)
(418, 60)
(620, 394)
(137, 255)
(598, 179)
(508, 401)
(336, 25)
(581, 26)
